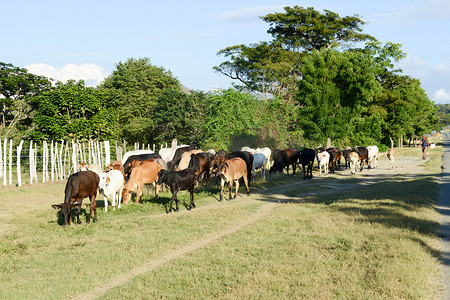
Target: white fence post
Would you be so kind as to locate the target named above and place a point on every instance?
(10, 161)
(1, 160)
(5, 151)
(19, 176)
(107, 153)
(31, 157)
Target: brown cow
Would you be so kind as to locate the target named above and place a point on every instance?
(115, 165)
(144, 173)
(231, 170)
(79, 186)
(284, 158)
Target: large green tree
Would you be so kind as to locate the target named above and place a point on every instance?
(134, 88)
(17, 89)
(71, 110)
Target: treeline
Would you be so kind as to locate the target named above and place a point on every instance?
(319, 77)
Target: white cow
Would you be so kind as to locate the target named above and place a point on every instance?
(259, 160)
(168, 153)
(354, 161)
(373, 156)
(111, 185)
(391, 156)
(85, 167)
(265, 150)
(323, 158)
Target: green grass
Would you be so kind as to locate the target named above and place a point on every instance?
(368, 241)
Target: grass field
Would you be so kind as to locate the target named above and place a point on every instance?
(334, 237)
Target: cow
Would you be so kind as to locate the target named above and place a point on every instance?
(186, 158)
(177, 181)
(111, 185)
(346, 155)
(141, 157)
(284, 158)
(231, 170)
(335, 158)
(317, 151)
(259, 162)
(79, 185)
(323, 158)
(135, 152)
(306, 159)
(177, 157)
(354, 161)
(373, 156)
(247, 157)
(391, 156)
(143, 173)
(115, 165)
(201, 164)
(93, 167)
(363, 154)
(168, 153)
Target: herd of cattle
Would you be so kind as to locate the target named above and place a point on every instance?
(182, 167)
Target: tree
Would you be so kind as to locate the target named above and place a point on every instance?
(71, 110)
(17, 88)
(133, 89)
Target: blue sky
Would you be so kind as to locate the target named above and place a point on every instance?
(86, 39)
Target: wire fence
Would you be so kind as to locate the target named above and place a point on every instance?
(31, 162)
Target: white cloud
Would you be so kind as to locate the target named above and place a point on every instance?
(250, 14)
(92, 74)
(441, 96)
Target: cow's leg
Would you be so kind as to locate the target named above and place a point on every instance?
(191, 191)
(105, 201)
(246, 185)
(237, 188)
(222, 184)
(120, 196)
(139, 192)
(176, 202)
(78, 212)
(93, 207)
(157, 189)
(171, 200)
(230, 187)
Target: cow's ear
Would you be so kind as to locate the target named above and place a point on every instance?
(57, 206)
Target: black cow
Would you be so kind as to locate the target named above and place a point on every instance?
(306, 159)
(177, 181)
(247, 157)
(201, 164)
(139, 157)
(363, 154)
(79, 185)
(346, 155)
(284, 158)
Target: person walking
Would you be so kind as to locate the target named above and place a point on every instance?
(425, 144)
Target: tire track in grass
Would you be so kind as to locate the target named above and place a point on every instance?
(155, 263)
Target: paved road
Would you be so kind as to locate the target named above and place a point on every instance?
(444, 209)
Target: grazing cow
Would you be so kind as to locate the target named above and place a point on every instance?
(363, 154)
(306, 159)
(247, 157)
(354, 161)
(259, 161)
(178, 181)
(186, 158)
(284, 158)
(391, 156)
(231, 170)
(335, 158)
(323, 158)
(140, 157)
(143, 173)
(373, 156)
(111, 185)
(201, 164)
(79, 185)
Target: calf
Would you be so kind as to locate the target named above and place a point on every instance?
(111, 185)
(346, 155)
(323, 159)
(79, 186)
(306, 159)
(247, 157)
(354, 161)
(231, 170)
(391, 156)
(177, 181)
(201, 164)
(144, 173)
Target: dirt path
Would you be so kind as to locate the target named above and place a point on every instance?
(272, 196)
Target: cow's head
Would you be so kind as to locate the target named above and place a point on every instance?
(66, 211)
(126, 195)
(161, 177)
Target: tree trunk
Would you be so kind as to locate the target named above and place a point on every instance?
(328, 143)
